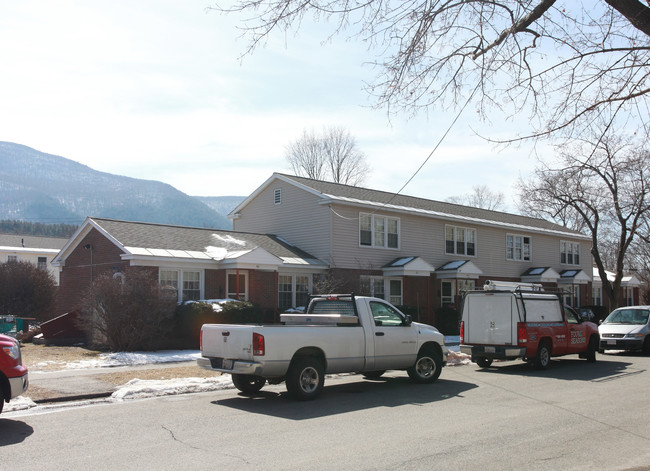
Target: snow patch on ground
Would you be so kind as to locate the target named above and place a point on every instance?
(139, 388)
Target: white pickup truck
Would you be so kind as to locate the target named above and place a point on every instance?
(337, 334)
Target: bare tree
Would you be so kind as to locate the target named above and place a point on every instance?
(562, 65)
(481, 197)
(332, 156)
(26, 291)
(602, 185)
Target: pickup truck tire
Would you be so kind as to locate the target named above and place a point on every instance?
(543, 359)
(305, 378)
(590, 354)
(248, 384)
(427, 367)
(373, 374)
(483, 362)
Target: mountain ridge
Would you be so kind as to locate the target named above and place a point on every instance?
(46, 188)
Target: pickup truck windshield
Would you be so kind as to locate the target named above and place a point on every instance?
(628, 316)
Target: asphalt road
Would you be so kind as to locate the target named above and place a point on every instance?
(575, 415)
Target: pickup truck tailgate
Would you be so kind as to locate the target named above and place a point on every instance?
(227, 341)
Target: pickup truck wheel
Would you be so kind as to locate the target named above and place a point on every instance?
(590, 354)
(305, 378)
(483, 362)
(543, 359)
(373, 374)
(427, 367)
(248, 384)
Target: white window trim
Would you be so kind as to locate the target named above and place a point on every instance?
(444, 238)
(530, 247)
(310, 285)
(372, 231)
(568, 243)
(179, 281)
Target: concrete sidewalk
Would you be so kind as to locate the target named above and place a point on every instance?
(82, 384)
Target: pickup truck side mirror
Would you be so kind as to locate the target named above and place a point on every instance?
(408, 320)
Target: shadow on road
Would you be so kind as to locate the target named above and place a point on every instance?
(354, 396)
(13, 431)
(569, 369)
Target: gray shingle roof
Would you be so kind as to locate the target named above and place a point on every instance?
(451, 209)
(161, 236)
(32, 242)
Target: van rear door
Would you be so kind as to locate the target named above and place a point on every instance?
(490, 318)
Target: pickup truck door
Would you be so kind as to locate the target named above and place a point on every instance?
(395, 342)
(577, 335)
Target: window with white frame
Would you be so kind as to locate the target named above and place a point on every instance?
(191, 285)
(372, 286)
(518, 248)
(188, 280)
(629, 295)
(569, 253)
(42, 263)
(12, 258)
(460, 241)
(378, 231)
(293, 290)
(237, 285)
(572, 296)
(597, 295)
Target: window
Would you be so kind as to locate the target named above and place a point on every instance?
(277, 196)
(372, 286)
(42, 263)
(460, 241)
(378, 231)
(597, 295)
(237, 285)
(191, 285)
(569, 253)
(293, 291)
(572, 296)
(628, 293)
(384, 315)
(12, 258)
(517, 248)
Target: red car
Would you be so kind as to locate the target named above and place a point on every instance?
(13, 374)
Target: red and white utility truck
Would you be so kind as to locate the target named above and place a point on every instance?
(13, 374)
(519, 320)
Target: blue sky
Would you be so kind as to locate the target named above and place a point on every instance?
(156, 90)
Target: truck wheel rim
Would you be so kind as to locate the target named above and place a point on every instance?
(425, 367)
(309, 379)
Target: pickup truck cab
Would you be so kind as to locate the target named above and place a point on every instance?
(509, 321)
(337, 334)
(13, 374)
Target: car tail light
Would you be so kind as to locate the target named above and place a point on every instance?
(258, 344)
(462, 332)
(522, 335)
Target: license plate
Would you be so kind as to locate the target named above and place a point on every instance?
(611, 342)
(490, 350)
(227, 365)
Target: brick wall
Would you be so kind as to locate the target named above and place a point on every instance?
(84, 265)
